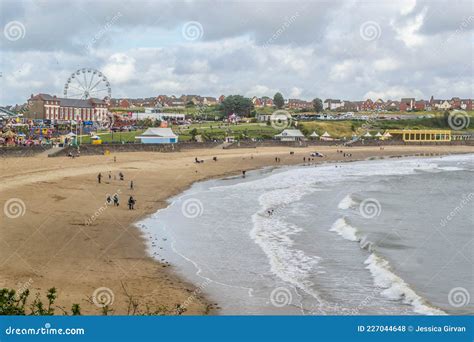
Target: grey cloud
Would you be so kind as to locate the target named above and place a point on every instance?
(244, 45)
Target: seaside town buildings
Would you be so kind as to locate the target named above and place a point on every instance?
(165, 101)
(404, 105)
(48, 107)
(51, 107)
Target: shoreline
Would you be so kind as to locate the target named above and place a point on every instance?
(51, 244)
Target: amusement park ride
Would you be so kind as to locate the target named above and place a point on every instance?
(87, 83)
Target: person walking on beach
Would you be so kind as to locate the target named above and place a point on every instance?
(99, 177)
(110, 175)
(116, 200)
(108, 200)
(131, 185)
(131, 203)
(243, 173)
(121, 176)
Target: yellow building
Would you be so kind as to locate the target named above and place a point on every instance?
(416, 135)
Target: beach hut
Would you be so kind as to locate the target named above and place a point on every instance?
(158, 136)
(96, 140)
(69, 139)
(367, 135)
(314, 135)
(386, 136)
(378, 135)
(326, 136)
(290, 135)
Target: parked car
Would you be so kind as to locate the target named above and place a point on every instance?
(317, 154)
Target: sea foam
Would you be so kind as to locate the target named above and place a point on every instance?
(395, 288)
(273, 234)
(345, 230)
(346, 203)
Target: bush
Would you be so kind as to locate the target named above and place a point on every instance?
(12, 303)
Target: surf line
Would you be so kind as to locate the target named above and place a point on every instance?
(199, 269)
(393, 287)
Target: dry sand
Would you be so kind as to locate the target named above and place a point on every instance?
(51, 244)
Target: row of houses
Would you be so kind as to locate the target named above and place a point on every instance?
(166, 101)
(404, 105)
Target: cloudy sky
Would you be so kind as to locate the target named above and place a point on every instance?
(304, 49)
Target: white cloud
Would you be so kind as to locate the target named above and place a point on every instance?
(392, 93)
(408, 32)
(423, 48)
(120, 68)
(386, 64)
(343, 71)
(295, 92)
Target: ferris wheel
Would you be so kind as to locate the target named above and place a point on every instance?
(86, 83)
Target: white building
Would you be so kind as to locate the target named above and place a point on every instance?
(158, 136)
(331, 104)
(290, 135)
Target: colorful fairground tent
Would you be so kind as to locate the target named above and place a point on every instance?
(8, 138)
(6, 114)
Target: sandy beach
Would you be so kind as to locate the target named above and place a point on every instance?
(66, 237)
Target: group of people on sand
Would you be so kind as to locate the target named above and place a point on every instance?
(345, 154)
(115, 198)
(120, 175)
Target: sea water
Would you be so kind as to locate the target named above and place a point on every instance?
(391, 236)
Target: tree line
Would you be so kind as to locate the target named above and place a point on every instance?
(240, 105)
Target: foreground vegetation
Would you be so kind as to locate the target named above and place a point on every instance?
(20, 304)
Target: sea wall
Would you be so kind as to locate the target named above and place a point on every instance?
(267, 143)
(87, 150)
(22, 151)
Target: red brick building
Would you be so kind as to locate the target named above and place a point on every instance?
(407, 104)
(47, 107)
(299, 104)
